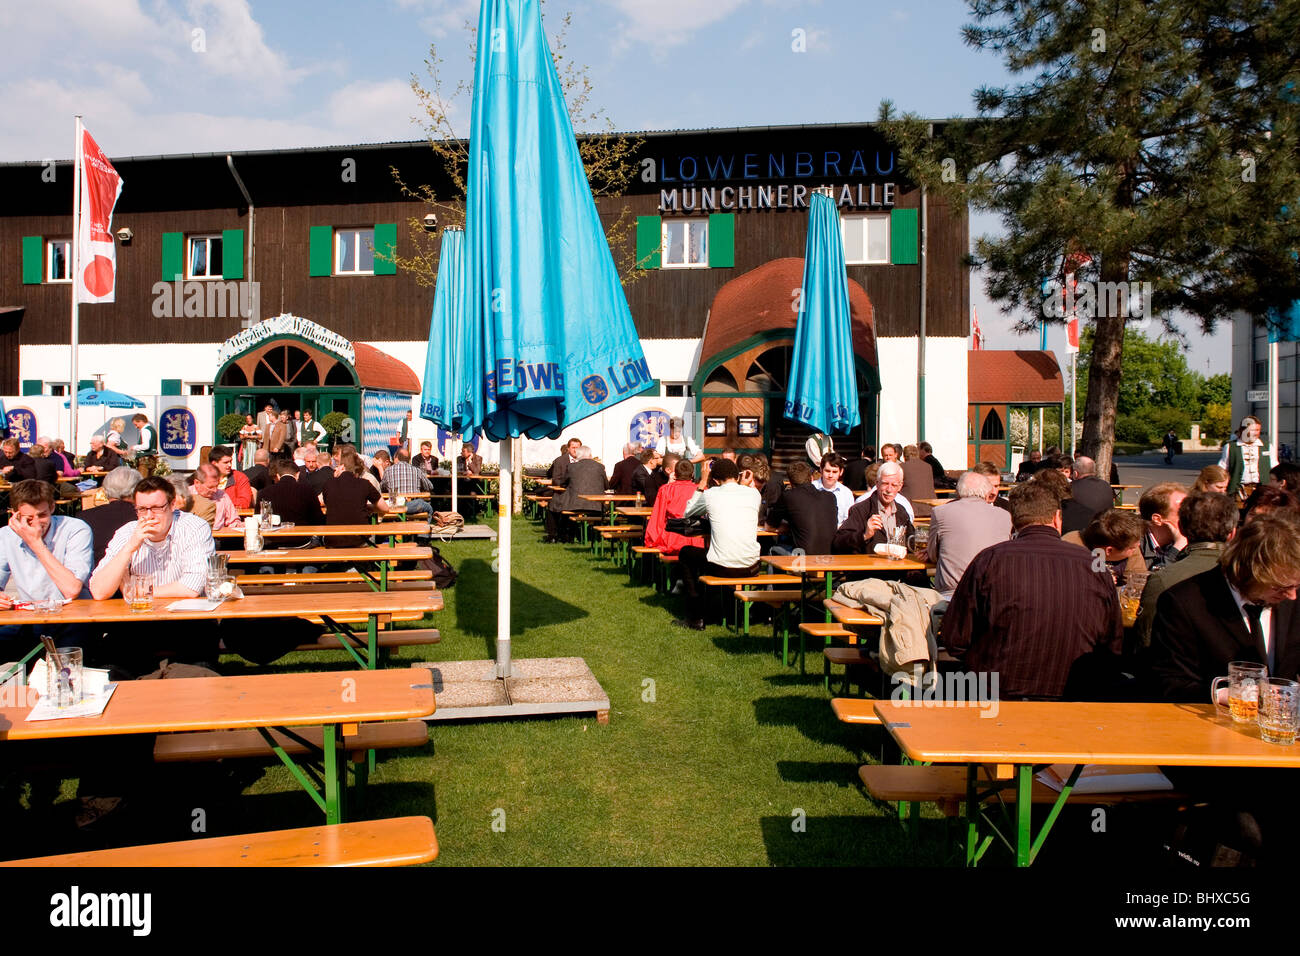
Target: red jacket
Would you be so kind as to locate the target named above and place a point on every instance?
(670, 503)
(239, 490)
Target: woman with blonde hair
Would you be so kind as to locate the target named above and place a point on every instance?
(114, 440)
(1212, 478)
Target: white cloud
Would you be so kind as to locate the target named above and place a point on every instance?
(666, 23)
(235, 45)
(375, 112)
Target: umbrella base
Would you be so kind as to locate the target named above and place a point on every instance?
(541, 685)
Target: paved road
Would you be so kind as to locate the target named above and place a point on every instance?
(1148, 470)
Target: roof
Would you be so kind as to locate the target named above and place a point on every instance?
(760, 300)
(376, 369)
(1016, 377)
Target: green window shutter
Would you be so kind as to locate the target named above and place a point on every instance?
(173, 256)
(33, 386)
(33, 262)
(649, 237)
(322, 250)
(385, 244)
(171, 386)
(903, 237)
(232, 257)
(85, 383)
(722, 240)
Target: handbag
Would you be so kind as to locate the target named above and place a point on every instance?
(688, 527)
(445, 519)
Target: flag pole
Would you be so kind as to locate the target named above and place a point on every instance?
(77, 173)
(504, 485)
(1074, 388)
(1272, 399)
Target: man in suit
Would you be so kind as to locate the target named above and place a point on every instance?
(1243, 610)
(1088, 489)
(963, 528)
(649, 461)
(855, 471)
(259, 476)
(277, 436)
(810, 513)
(659, 477)
(620, 480)
(873, 519)
(1030, 465)
(559, 473)
(941, 479)
(918, 480)
(586, 476)
(1164, 541)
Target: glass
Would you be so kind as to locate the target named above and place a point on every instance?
(1279, 710)
(897, 547)
(265, 509)
(153, 509)
(63, 673)
(137, 589)
(920, 538)
(1243, 682)
(1135, 583)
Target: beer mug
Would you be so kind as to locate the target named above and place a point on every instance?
(253, 540)
(1279, 710)
(1243, 682)
(919, 539)
(265, 509)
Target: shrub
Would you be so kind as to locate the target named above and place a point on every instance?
(228, 425)
(1217, 423)
(334, 423)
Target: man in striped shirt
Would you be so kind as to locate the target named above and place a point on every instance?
(173, 546)
(402, 479)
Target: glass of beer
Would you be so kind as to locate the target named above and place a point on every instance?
(1243, 682)
(1279, 710)
(63, 672)
(137, 589)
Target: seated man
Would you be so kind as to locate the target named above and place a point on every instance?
(15, 464)
(662, 475)
(941, 479)
(1033, 610)
(294, 501)
(1088, 489)
(259, 475)
(877, 518)
(1030, 465)
(1115, 537)
(832, 468)
(401, 479)
(424, 461)
(209, 503)
(233, 483)
(100, 456)
(47, 555)
(313, 471)
(104, 520)
(172, 547)
(620, 480)
(1243, 610)
(585, 476)
(671, 502)
(732, 510)
(918, 481)
(648, 461)
(962, 528)
(809, 513)
(1209, 521)
(1163, 541)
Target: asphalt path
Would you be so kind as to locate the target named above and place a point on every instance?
(1148, 470)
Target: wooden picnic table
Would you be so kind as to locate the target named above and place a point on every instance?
(257, 701)
(382, 554)
(1022, 734)
(634, 512)
(405, 529)
(376, 607)
(827, 564)
(612, 499)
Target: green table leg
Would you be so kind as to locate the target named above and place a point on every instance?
(1024, 814)
(830, 591)
(333, 806)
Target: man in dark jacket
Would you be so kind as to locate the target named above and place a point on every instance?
(16, 465)
(872, 519)
(586, 476)
(620, 480)
(100, 456)
(104, 520)
(559, 472)
(809, 512)
(941, 479)
(1089, 494)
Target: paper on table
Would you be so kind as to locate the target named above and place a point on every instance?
(1096, 778)
(193, 604)
(89, 707)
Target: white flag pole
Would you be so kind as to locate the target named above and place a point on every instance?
(1272, 403)
(77, 173)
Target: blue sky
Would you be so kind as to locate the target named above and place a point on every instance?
(276, 74)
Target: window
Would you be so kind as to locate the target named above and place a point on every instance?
(204, 259)
(354, 252)
(1261, 373)
(59, 258)
(57, 388)
(677, 390)
(686, 244)
(866, 239)
(992, 430)
(198, 388)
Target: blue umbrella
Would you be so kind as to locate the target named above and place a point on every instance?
(89, 396)
(560, 344)
(823, 387)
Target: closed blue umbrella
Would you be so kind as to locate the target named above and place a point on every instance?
(560, 344)
(90, 396)
(823, 387)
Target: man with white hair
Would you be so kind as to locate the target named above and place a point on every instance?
(878, 518)
(963, 528)
(620, 480)
(586, 476)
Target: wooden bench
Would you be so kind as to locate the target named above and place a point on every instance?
(221, 744)
(401, 841)
(617, 534)
(848, 658)
(407, 637)
(583, 520)
(853, 616)
(855, 710)
(751, 581)
(638, 554)
(330, 577)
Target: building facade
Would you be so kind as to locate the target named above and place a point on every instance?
(219, 243)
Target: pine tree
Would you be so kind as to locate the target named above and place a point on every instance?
(1156, 139)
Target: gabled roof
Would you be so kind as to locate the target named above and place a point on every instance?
(1013, 376)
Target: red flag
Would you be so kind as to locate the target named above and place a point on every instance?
(100, 185)
(976, 334)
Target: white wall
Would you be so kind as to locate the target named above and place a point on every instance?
(137, 370)
(945, 394)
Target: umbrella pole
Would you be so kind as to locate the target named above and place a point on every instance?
(503, 560)
(455, 460)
